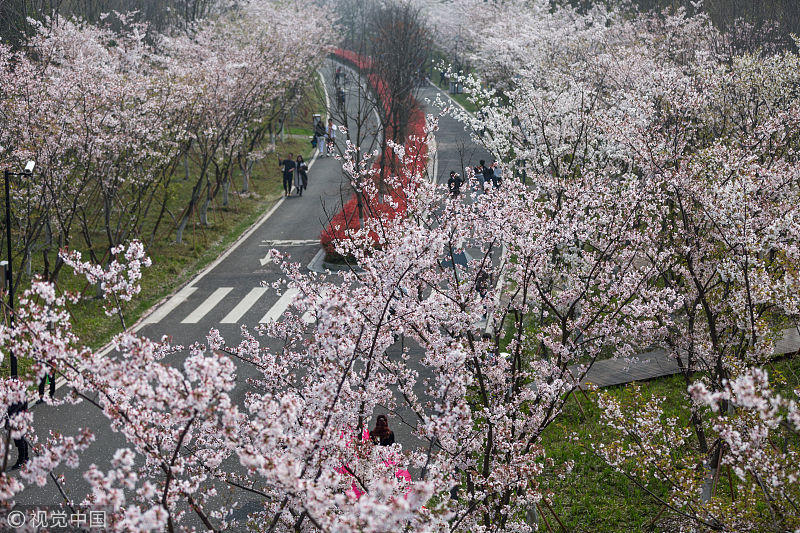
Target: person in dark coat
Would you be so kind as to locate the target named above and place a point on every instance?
(480, 174)
(287, 165)
(482, 283)
(51, 375)
(454, 184)
(382, 435)
(21, 444)
(319, 133)
(301, 183)
(497, 174)
(488, 174)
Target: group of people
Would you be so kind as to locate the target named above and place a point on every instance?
(484, 173)
(295, 174)
(325, 137)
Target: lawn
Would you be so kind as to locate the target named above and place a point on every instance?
(462, 99)
(438, 59)
(594, 497)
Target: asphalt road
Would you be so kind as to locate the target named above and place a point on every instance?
(235, 291)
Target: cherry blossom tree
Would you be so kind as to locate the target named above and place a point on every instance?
(708, 134)
(661, 212)
(109, 114)
(244, 70)
(476, 404)
(120, 281)
(729, 207)
(99, 123)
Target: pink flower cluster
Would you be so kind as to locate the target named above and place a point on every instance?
(119, 281)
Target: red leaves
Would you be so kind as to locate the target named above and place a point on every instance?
(393, 202)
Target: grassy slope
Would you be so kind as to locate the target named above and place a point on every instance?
(174, 264)
(433, 72)
(594, 497)
(462, 99)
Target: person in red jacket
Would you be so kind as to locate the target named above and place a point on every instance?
(382, 435)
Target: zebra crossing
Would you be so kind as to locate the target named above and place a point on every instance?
(243, 306)
(280, 306)
(185, 307)
(207, 305)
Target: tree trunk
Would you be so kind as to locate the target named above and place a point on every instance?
(185, 167)
(204, 207)
(181, 227)
(189, 210)
(710, 482)
(246, 169)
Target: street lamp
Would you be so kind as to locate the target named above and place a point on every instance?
(515, 122)
(8, 272)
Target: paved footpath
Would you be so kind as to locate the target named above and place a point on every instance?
(658, 363)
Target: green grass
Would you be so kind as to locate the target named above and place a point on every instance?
(594, 497)
(433, 72)
(462, 99)
(296, 130)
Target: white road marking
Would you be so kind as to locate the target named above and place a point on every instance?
(308, 318)
(161, 313)
(295, 242)
(266, 259)
(242, 307)
(280, 306)
(201, 311)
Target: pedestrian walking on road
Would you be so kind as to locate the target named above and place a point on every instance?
(52, 377)
(454, 184)
(301, 177)
(319, 133)
(287, 165)
(488, 174)
(482, 283)
(331, 136)
(340, 98)
(22, 445)
(479, 173)
(497, 174)
(382, 435)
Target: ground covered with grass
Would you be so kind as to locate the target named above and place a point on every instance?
(596, 498)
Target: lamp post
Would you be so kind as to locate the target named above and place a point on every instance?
(515, 121)
(9, 278)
